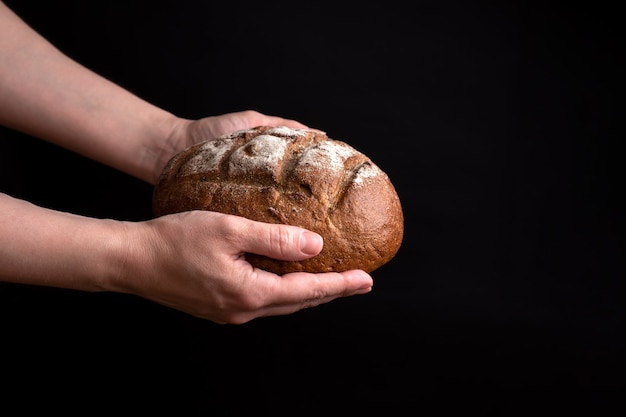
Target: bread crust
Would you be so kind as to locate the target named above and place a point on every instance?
(292, 176)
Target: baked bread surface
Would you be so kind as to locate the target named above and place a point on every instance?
(292, 176)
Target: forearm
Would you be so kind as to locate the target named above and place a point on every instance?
(45, 247)
(48, 95)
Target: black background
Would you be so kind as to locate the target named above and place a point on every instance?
(501, 125)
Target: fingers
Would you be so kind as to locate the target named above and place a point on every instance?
(297, 291)
(278, 241)
(212, 127)
(307, 289)
(255, 119)
(201, 270)
(280, 121)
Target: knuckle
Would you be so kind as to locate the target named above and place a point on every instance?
(318, 294)
(280, 241)
(229, 227)
(248, 302)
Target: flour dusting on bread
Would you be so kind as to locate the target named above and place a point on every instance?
(286, 131)
(327, 155)
(366, 171)
(263, 152)
(267, 150)
(208, 158)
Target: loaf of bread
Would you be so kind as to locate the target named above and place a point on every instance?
(298, 177)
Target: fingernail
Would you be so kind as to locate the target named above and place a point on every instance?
(311, 243)
(367, 281)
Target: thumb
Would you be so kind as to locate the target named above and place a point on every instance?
(280, 241)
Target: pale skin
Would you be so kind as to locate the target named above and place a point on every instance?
(193, 261)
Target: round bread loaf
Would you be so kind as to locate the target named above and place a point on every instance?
(292, 176)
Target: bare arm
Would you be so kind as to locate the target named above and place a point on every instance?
(51, 248)
(48, 95)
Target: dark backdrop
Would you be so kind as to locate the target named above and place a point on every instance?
(501, 126)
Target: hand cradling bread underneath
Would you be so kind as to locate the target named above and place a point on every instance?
(293, 176)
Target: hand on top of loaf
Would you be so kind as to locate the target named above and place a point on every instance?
(190, 132)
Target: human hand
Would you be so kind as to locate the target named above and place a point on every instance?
(195, 262)
(188, 132)
(214, 126)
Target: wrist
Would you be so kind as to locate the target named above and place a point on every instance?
(175, 139)
(133, 259)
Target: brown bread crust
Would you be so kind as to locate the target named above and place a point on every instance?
(291, 176)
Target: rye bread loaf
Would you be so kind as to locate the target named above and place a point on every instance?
(291, 176)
